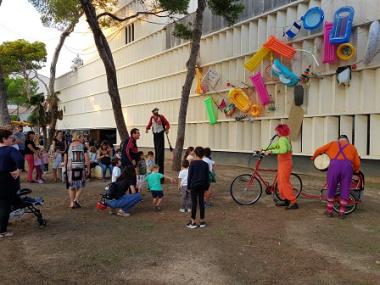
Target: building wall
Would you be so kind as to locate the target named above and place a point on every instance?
(150, 75)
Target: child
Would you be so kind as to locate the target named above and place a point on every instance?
(154, 182)
(182, 187)
(198, 183)
(141, 168)
(38, 166)
(149, 161)
(189, 154)
(116, 171)
(45, 160)
(211, 166)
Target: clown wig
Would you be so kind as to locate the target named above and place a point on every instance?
(283, 130)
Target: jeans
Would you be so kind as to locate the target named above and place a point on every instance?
(197, 195)
(127, 202)
(5, 210)
(104, 169)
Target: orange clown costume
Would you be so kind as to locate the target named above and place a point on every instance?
(283, 149)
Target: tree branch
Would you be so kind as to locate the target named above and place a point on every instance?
(133, 16)
(43, 82)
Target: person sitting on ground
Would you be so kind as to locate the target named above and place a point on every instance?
(182, 187)
(198, 183)
(155, 186)
(344, 161)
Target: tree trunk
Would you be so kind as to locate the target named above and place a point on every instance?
(191, 63)
(52, 97)
(107, 58)
(5, 119)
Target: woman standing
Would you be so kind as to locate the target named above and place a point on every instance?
(59, 148)
(104, 158)
(11, 162)
(283, 148)
(77, 165)
(30, 150)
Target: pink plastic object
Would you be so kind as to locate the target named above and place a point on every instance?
(329, 50)
(262, 92)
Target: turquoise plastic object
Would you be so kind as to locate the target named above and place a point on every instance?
(286, 76)
(313, 18)
(211, 110)
(341, 31)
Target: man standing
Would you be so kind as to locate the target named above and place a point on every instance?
(159, 126)
(20, 140)
(129, 152)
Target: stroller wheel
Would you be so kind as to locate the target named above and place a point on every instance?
(42, 222)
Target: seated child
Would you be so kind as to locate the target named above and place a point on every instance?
(155, 186)
(182, 187)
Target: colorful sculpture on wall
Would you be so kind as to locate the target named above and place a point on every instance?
(286, 76)
(253, 62)
(261, 90)
(372, 42)
(313, 18)
(329, 50)
(211, 111)
(279, 47)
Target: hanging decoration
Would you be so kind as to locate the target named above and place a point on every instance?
(253, 62)
(211, 111)
(261, 90)
(313, 18)
(210, 80)
(240, 99)
(343, 75)
(279, 47)
(373, 42)
(345, 51)
(329, 50)
(286, 76)
(198, 77)
(292, 32)
(298, 95)
(295, 120)
(343, 19)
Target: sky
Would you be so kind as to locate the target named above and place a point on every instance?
(19, 20)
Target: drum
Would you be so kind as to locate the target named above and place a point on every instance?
(322, 162)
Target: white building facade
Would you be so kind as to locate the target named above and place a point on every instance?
(151, 71)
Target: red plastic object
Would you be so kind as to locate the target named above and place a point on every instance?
(280, 47)
(329, 50)
(100, 206)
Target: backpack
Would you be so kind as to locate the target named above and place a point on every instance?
(76, 157)
(113, 191)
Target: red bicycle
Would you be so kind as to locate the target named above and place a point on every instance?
(246, 189)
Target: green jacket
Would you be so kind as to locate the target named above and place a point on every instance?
(281, 146)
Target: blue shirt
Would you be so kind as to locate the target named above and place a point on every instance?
(10, 159)
(154, 181)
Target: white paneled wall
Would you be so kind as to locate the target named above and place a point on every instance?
(149, 76)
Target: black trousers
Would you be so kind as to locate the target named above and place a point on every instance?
(5, 210)
(159, 149)
(197, 195)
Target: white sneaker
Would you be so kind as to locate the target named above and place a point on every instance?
(40, 181)
(182, 210)
(123, 214)
(188, 210)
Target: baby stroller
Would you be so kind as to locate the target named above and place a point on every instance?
(27, 205)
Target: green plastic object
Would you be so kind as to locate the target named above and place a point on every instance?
(211, 110)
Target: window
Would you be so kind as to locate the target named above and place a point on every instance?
(130, 33)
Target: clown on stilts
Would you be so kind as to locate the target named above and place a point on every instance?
(344, 160)
(283, 148)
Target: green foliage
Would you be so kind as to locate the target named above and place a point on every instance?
(38, 116)
(229, 9)
(182, 31)
(21, 55)
(174, 6)
(17, 90)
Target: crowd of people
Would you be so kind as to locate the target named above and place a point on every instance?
(133, 171)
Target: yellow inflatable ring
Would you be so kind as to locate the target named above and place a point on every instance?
(345, 51)
(240, 99)
(255, 110)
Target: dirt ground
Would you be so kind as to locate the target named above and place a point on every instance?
(258, 244)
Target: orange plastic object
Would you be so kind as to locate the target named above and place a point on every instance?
(255, 110)
(198, 75)
(280, 47)
(256, 59)
(240, 99)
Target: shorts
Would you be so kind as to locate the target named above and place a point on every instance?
(57, 161)
(157, 194)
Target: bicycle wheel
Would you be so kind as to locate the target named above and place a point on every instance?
(245, 189)
(351, 206)
(296, 182)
